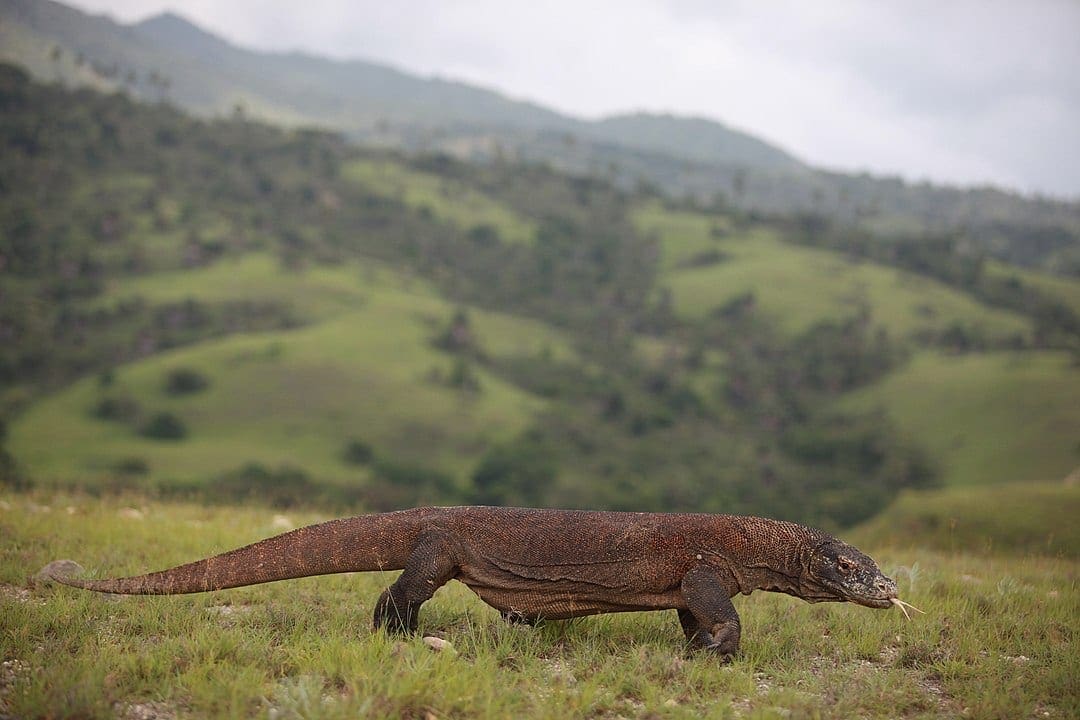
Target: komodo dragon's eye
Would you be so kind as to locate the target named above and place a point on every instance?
(844, 566)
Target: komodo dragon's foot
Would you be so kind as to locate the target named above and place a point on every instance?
(717, 651)
(395, 615)
(721, 652)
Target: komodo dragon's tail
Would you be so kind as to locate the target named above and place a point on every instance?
(366, 542)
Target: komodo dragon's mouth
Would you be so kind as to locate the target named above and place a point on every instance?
(874, 592)
(884, 603)
(873, 602)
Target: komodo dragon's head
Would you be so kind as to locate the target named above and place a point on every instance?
(839, 572)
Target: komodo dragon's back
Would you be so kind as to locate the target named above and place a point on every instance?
(534, 564)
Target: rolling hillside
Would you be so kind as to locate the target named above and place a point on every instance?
(706, 265)
(367, 328)
(987, 418)
(298, 397)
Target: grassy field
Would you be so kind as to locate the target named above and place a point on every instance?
(315, 293)
(986, 418)
(448, 200)
(998, 639)
(364, 368)
(800, 286)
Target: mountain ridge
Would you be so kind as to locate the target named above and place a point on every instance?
(400, 92)
(159, 59)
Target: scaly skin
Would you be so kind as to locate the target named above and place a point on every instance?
(551, 564)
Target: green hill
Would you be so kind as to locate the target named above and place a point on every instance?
(297, 398)
(449, 201)
(706, 265)
(987, 418)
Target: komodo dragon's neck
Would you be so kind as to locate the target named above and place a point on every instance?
(762, 554)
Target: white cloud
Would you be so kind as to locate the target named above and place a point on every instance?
(964, 91)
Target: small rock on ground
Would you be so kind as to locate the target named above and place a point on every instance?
(62, 568)
(438, 644)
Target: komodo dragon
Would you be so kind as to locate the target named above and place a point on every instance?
(551, 564)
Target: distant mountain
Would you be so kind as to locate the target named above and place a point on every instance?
(692, 137)
(365, 99)
(168, 58)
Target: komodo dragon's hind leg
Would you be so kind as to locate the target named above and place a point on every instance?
(709, 621)
(433, 562)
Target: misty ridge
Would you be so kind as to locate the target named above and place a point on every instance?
(167, 58)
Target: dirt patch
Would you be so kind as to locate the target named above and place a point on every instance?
(19, 594)
(228, 615)
(11, 673)
(145, 711)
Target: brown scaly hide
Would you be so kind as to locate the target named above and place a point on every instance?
(532, 564)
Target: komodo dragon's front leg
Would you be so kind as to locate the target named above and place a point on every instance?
(709, 620)
(433, 562)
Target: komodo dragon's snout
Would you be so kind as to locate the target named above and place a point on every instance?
(838, 571)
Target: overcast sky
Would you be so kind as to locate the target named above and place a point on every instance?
(962, 91)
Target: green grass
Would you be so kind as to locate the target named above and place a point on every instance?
(362, 369)
(998, 639)
(986, 418)
(1018, 519)
(798, 286)
(448, 200)
(316, 292)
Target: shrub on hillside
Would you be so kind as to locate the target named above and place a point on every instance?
(459, 337)
(704, 259)
(358, 452)
(185, 381)
(514, 473)
(131, 466)
(10, 477)
(461, 376)
(401, 484)
(164, 426)
(285, 487)
(116, 409)
(485, 235)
